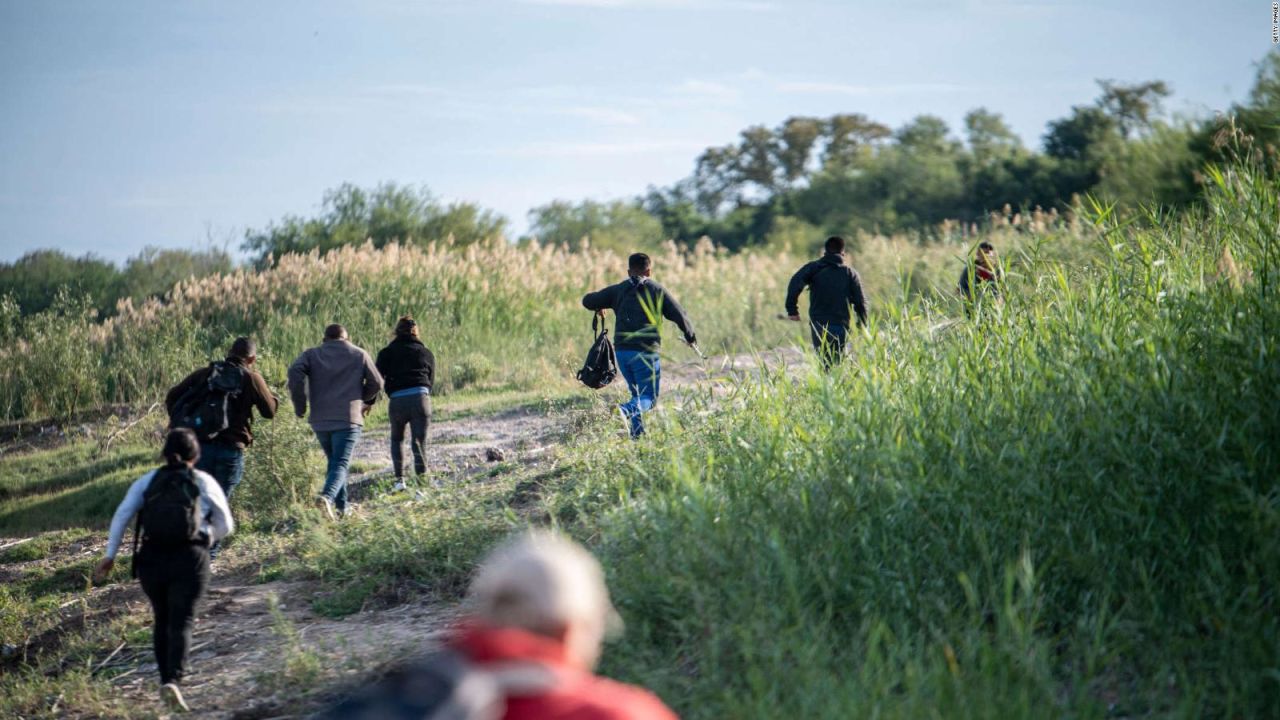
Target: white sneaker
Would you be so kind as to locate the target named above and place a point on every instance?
(171, 696)
(399, 486)
(326, 507)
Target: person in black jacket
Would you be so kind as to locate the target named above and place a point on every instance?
(639, 304)
(833, 288)
(408, 368)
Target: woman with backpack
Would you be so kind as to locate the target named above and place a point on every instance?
(181, 511)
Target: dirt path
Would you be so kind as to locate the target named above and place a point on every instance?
(240, 646)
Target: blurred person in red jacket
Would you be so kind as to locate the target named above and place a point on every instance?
(538, 613)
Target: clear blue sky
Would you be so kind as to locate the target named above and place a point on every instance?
(126, 124)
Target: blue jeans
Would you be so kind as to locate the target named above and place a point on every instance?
(226, 464)
(643, 373)
(829, 340)
(338, 446)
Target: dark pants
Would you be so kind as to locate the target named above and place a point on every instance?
(174, 580)
(829, 340)
(338, 445)
(226, 464)
(414, 411)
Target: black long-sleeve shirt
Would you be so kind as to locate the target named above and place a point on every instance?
(406, 363)
(833, 288)
(636, 328)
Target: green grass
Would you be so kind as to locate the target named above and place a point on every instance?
(72, 486)
(1069, 507)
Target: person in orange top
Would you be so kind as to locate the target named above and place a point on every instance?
(538, 612)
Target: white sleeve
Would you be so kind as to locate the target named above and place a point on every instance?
(124, 513)
(216, 510)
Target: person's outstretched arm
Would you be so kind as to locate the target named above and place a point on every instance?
(431, 368)
(856, 297)
(372, 381)
(672, 310)
(599, 300)
(298, 373)
(263, 399)
(794, 288)
(220, 522)
(125, 511)
(382, 363)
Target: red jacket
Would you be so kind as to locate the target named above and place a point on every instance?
(577, 694)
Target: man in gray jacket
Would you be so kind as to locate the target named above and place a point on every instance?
(342, 384)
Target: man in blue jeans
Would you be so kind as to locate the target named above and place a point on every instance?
(341, 383)
(222, 455)
(639, 304)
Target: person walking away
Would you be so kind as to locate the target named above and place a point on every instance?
(981, 278)
(834, 288)
(639, 304)
(537, 611)
(222, 454)
(408, 370)
(341, 384)
(181, 510)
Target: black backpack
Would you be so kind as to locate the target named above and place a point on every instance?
(203, 407)
(601, 366)
(170, 514)
(444, 685)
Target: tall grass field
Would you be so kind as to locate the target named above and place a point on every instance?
(1066, 505)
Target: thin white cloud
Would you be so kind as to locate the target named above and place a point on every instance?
(593, 149)
(602, 115)
(709, 90)
(405, 89)
(830, 88)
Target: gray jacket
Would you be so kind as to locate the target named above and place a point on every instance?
(339, 378)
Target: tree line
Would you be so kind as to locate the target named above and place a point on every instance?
(785, 186)
(33, 281)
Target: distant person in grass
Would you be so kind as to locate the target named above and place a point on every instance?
(981, 279)
(408, 368)
(538, 612)
(834, 288)
(341, 383)
(639, 304)
(222, 456)
(181, 512)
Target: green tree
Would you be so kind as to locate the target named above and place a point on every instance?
(990, 139)
(155, 271)
(384, 214)
(1133, 107)
(796, 139)
(758, 158)
(851, 139)
(35, 279)
(618, 225)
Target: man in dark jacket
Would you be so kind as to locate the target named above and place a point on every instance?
(833, 288)
(408, 371)
(223, 456)
(639, 304)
